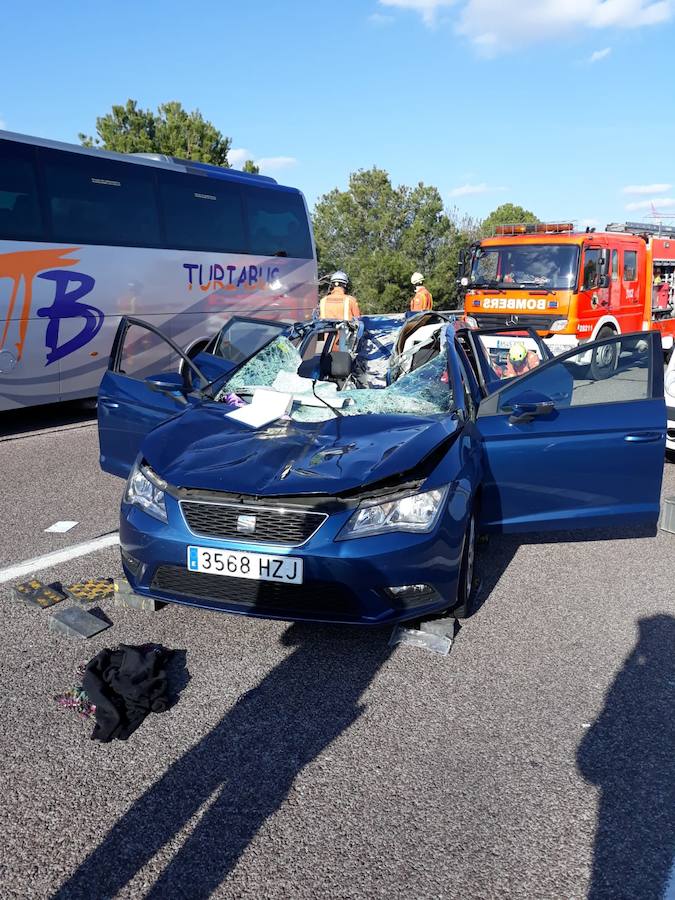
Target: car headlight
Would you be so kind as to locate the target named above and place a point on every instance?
(670, 383)
(413, 512)
(558, 325)
(145, 489)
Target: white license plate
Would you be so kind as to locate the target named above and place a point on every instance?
(257, 566)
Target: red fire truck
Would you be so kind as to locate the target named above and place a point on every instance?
(574, 286)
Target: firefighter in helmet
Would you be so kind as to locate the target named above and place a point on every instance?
(338, 304)
(520, 360)
(421, 300)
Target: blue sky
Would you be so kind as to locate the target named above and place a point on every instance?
(559, 105)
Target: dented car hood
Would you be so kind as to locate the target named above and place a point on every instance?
(202, 449)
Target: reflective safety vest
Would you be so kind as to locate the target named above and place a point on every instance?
(421, 301)
(338, 305)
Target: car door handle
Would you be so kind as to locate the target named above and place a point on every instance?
(647, 437)
(109, 404)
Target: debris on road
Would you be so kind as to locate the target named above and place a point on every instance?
(668, 515)
(75, 622)
(427, 640)
(76, 698)
(36, 593)
(93, 590)
(61, 527)
(125, 597)
(125, 685)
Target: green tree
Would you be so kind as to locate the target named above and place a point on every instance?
(172, 130)
(506, 214)
(380, 234)
(250, 167)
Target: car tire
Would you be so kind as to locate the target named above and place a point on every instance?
(466, 593)
(604, 359)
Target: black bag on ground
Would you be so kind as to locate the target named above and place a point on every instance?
(125, 685)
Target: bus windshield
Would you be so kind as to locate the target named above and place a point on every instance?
(549, 266)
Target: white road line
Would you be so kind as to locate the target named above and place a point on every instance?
(39, 563)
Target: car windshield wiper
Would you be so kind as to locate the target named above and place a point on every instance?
(493, 285)
(536, 285)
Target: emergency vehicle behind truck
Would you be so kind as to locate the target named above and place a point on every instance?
(574, 286)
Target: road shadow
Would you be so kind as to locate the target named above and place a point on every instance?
(242, 770)
(629, 754)
(54, 415)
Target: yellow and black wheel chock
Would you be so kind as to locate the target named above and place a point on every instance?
(93, 590)
(37, 593)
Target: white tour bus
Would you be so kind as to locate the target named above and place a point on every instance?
(87, 236)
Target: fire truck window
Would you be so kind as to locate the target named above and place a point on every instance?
(591, 263)
(629, 265)
(615, 265)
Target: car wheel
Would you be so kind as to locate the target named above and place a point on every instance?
(466, 594)
(604, 359)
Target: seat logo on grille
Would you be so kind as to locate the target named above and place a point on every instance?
(246, 524)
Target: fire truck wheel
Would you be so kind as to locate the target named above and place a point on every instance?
(604, 360)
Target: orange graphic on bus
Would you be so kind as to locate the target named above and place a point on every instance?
(26, 264)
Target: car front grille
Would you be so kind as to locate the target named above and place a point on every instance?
(253, 524)
(500, 320)
(318, 599)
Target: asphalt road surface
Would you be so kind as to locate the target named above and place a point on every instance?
(535, 761)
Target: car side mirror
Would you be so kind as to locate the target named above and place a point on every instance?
(603, 262)
(172, 384)
(603, 281)
(528, 412)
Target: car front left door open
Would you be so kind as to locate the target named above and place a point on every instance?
(130, 404)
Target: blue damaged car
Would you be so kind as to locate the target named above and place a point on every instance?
(341, 472)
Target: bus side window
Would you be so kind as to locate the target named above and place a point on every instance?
(201, 214)
(277, 223)
(615, 265)
(629, 265)
(20, 216)
(591, 262)
(99, 201)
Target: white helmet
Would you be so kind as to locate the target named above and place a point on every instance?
(339, 278)
(417, 278)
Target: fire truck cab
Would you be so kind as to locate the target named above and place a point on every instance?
(573, 286)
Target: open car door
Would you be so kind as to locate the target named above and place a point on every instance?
(578, 442)
(149, 379)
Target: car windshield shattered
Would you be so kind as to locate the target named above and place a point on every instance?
(325, 385)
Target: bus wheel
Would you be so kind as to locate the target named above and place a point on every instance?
(604, 359)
